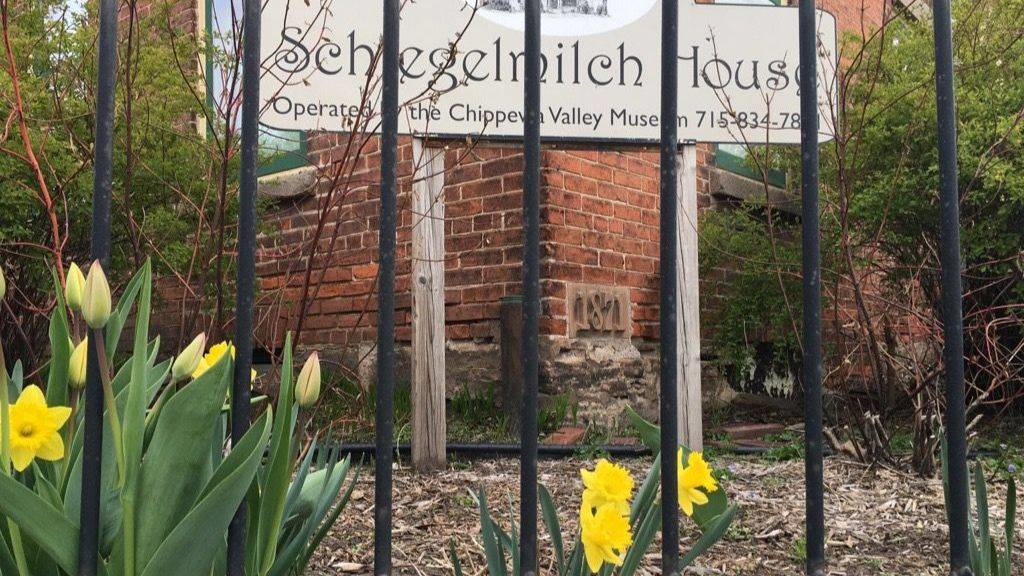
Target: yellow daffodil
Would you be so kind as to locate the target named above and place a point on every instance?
(35, 429)
(607, 483)
(693, 478)
(213, 356)
(605, 534)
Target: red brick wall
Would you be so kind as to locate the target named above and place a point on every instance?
(859, 17)
(600, 226)
(483, 238)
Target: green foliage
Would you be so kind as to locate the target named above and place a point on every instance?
(762, 280)
(167, 173)
(879, 202)
(985, 555)
(170, 493)
(896, 166)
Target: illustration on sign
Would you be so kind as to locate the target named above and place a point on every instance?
(567, 17)
(584, 7)
(462, 69)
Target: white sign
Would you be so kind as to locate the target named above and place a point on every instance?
(462, 69)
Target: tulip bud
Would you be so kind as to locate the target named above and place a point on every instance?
(3, 284)
(76, 367)
(73, 288)
(307, 389)
(96, 298)
(188, 359)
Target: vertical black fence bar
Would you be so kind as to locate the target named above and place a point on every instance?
(92, 449)
(952, 291)
(386, 294)
(669, 341)
(813, 460)
(531, 291)
(246, 259)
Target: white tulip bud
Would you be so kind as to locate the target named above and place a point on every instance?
(74, 286)
(96, 298)
(307, 388)
(188, 360)
(77, 364)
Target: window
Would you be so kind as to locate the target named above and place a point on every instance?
(280, 150)
(735, 157)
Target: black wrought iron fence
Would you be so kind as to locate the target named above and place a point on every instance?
(812, 376)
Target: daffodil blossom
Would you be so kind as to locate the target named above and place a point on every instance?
(605, 535)
(35, 429)
(607, 483)
(695, 481)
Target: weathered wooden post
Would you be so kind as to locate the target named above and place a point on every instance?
(428, 333)
(688, 304)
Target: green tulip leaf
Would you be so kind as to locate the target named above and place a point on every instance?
(119, 316)
(60, 351)
(650, 434)
(710, 536)
(41, 522)
(550, 515)
(176, 463)
(192, 546)
(279, 469)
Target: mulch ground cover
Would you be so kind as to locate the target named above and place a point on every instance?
(881, 521)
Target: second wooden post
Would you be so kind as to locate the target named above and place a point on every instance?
(428, 331)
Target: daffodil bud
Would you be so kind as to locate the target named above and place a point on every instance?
(3, 284)
(96, 298)
(307, 389)
(188, 359)
(74, 285)
(76, 367)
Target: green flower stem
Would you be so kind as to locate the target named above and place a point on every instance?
(5, 426)
(111, 402)
(70, 430)
(128, 504)
(5, 462)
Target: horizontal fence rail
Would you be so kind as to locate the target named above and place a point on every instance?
(384, 446)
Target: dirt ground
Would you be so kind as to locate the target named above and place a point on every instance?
(881, 522)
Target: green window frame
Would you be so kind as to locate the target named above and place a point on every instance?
(273, 160)
(734, 157)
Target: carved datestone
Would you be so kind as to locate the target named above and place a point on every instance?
(601, 311)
